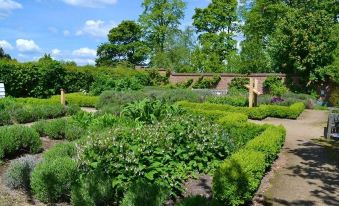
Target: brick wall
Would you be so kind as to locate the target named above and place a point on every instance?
(226, 78)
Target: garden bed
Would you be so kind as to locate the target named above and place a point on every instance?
(151, 146)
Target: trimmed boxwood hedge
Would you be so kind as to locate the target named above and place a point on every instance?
(16, 139)
(238, 178)
(225, 116)
(269, 142)
(261, 112)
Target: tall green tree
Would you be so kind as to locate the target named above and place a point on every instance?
(3, 55)
(303, 43)
(179, 51)
(217, 25)
(160, 20)
(260, 23)
(124, 45)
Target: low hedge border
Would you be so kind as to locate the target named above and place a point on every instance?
(261, 112)
(79, 99)
(221, 115)
(19, 114)
(18, 139)
(239, 176)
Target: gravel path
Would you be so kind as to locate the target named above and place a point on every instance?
(306, 172)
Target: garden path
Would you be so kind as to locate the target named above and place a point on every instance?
(307, 170)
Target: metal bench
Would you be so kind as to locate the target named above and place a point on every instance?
(333, 123)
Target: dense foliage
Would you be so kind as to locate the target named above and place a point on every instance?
(261, 112)
(46, 77)
(12, 112)
(125, 45)
(114, 101)
(18, 139)
(165, 153)
(237, 179)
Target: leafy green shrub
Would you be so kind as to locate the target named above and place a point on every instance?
(149, 111)
(93, 189)
(275, 86)
(225, 116)
(241, 132)
(238, 83)
(79, 99)
(198, 200)
(104, 121)
(238, 177)
(174, 95)
(116, 100)
(45, 77)
(239, 101)
(269, 143)
(288, 99)
(14, 139)
(106, 82)
(143, 193)
(24, 113)
(73, 131)
(19, 172)
(272, 81)
(52, 180)
(167, 152)
(278, 90)
(54, 129)
(60, 150)
(261, 112)
(203, 83)
(185, 84)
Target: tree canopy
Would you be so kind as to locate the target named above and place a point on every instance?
(290, 36)
(124, 45)
(3, 55)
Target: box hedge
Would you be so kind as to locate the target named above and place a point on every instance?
(238, 178)
(269, 142)
(225, 116)
(261, 112)
(17, 139)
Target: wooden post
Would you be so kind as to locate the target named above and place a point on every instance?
(250, 97)
(255, 98)
(253, 92)
(62, 97)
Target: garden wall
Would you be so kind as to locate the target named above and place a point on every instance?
(226, 78)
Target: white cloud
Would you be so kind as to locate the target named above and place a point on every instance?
(96, 28)
(29, 46)
(91, 3)
(67, 33)
(8, 5)
(55, 52)
(5, 45)
(85, 52)
(83, 61)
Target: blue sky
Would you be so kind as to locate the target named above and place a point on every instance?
(66, 29)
